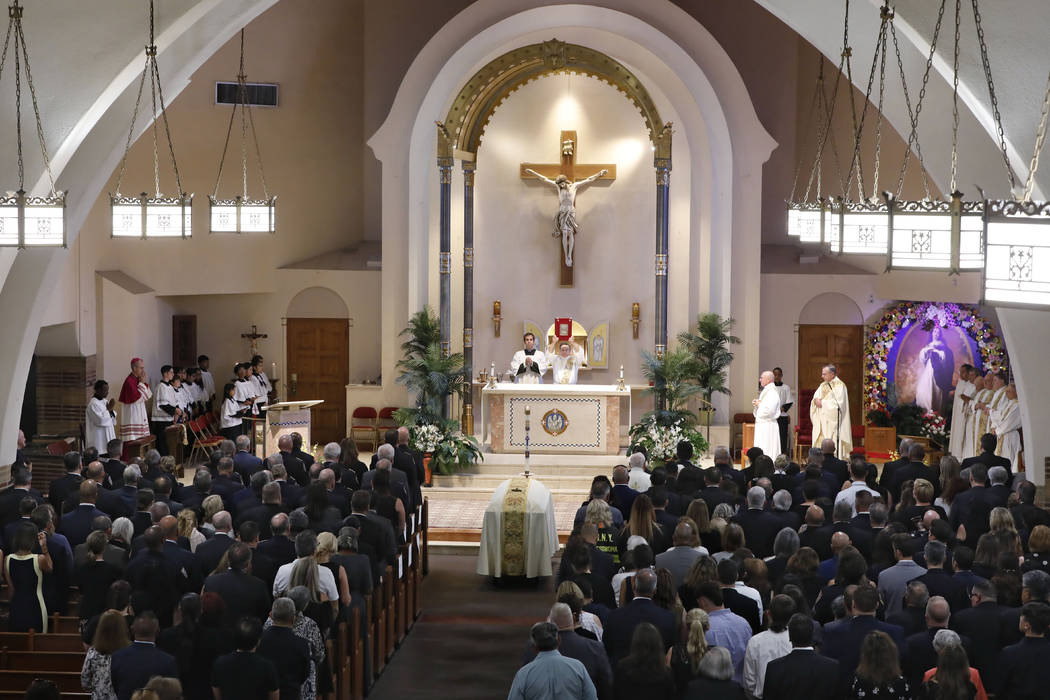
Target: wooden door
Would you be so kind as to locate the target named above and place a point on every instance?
(319, 356)
(184, 340)
(842, 346)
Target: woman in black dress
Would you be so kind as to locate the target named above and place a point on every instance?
(644, 672)
(24, 572)
(386, 504)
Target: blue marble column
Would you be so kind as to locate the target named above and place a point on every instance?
(445, 258)
(467, 419)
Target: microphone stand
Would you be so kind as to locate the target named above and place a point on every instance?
(838, 430)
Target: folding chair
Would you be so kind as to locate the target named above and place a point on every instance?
(363, 423)
(202, 442)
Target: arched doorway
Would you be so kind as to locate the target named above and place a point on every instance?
(317, 348)
(831, 331)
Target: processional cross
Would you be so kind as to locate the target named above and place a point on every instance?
(253, 338)
(563, 176)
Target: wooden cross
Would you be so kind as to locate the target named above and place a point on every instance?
(254, 338)
(572, 170)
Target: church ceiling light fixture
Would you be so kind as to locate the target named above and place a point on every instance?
(156, 215)
(242, 214)
(940, 233)
(28, 220)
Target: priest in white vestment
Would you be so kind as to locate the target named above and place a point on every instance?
(993, 397)
(1005, 422)
(528, 364)
(980, 394)
(100, 419)
(829, 412)
(565, 365)
(767, 409)
(518, 533)
(964, 392)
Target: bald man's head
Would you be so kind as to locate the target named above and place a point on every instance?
(827, 446)
(402, 435)
(620, 475)
(284, 443)
(561, 615)
(815, 516)
(169, 525)
(839, 541)
(88, 491)
(937, 612)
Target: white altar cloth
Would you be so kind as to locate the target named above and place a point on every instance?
(541, 535)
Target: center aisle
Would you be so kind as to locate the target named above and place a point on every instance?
(470, 638)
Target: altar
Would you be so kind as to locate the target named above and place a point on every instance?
(564, 418)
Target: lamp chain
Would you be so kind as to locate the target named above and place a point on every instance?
(882, 93)
(247, 124)
(1040, 138)
(955, 99)
(859, 131)
(991, 93)
(817, 88)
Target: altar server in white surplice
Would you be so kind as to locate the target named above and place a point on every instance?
(767, 410)
(961, 413)
(100, 419)
(528, 365)
(565, 365)
(829, 412)
(1005, 422)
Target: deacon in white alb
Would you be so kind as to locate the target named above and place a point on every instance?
(961, 413)
(528, 365)
(829, 413)
(100, 419)
(767, 410)
(1005, 422)
(565, 366)
(786, 400)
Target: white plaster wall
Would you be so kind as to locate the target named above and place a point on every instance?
(516, 258)
(1027, 336)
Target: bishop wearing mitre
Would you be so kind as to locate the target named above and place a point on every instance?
(829, 413)
(1005, 423)
(767, 409)
(528, 365)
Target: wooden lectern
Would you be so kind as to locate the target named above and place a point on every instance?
(282, 419)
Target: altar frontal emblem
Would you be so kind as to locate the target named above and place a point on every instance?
(554, 422)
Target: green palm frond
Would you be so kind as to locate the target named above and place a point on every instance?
(423, 330)
(709, 348)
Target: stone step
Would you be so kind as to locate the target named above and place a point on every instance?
(583, 471)
(485, 492)
(490, 481)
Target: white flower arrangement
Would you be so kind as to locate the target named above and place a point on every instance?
(427, 437)
(661, 441)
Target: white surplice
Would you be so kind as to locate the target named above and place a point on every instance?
(960, 419)
(767, 431)
(99, 425)
(564, 370)
(1006, 422)
(832, 418)
(528, 376)
(209, 385)
(541, 534)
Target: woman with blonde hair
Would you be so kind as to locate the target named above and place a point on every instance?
(111, 635)
(211, 505)
(583, 619)
(600, 515)
(642, 523)
(186, 523)
(684, 657)
(327, 545)
(1039, 546)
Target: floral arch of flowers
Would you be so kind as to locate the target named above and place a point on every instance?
(881, 336)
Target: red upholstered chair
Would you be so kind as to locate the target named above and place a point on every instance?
(386, 419)
(363, 425)
(804, 428)
(202, 442)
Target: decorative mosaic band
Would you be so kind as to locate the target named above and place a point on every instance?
(444, 348)
(445, 171)
(663, 176)
(468, 257)
(660, 350)
(445, 263)
(661, 264)
(468, 337)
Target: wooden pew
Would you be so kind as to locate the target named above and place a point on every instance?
(357, 657)
(31, 641)
(41, 660)
(67, 681)
(19, 694)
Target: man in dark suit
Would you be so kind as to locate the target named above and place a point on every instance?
(293, 466)
(193, 498)
(940, 582)
(405, 460)
(76, 525)
(988, 457)
(209, 553)
(297, 450)
(375, 530)
(398, 482)
(724, 464)
(162, 494)
(10, 500)
(998, 489)
(918, 653)
(278, 547)
(264, 512)
(61, 487)
(589, 652)
(112, 465)
(292, 493)
(782, 511)
(622, 495)
(971, 508)
(129, 492)
(914, 469)
(243, 593)
(667, 522)
(289, 654)
(843, 643)
(226, 483)
(337, 496)
(889, 469)
(690, 477)
(133, 666)
(1026, 513)
(832, 464)
(981, 624)
(621, 622)
(143, 518)
(740, 604)
(760, 527)
(712, 493)
(802, 673)
(157, 577)
(244, 462)
(1025, 666)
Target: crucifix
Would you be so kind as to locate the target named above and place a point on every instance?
(253, 338)
(563, 177)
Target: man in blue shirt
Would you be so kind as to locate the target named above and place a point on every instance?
(550, 676)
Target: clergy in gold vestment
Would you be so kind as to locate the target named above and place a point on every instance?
(988, 401)
(767, 410)
(829, 412)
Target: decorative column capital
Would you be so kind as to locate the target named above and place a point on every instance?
(663, 176)
(661, 264)
(445, 348)
(445, 263)
(662, 148)
(469, 167)
(468, 337)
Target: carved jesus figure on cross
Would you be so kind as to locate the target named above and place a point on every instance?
(565, 220)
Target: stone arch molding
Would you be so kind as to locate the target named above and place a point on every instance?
(464, 126)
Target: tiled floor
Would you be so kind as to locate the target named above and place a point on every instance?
(467, 514)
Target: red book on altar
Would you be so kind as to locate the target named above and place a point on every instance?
(563, 328)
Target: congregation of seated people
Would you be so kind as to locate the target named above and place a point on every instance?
(229, 585)
(833, 579)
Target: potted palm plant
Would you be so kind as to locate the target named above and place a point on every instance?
(709, 346)
(433, 378)
(671, 421)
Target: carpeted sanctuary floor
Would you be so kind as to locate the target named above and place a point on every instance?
(469, 640)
